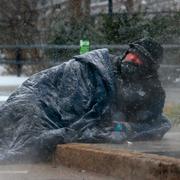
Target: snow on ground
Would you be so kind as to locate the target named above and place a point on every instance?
(3, 98)
(8, 84)
(11, 80)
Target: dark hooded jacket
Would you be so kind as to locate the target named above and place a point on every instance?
(140, 93)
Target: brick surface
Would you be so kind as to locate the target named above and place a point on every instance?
(120, 163)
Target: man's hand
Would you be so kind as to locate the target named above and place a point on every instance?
(120, 132)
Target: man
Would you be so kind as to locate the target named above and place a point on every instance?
(141, 96)
(74, 102)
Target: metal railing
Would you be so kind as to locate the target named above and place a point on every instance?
(38, 54)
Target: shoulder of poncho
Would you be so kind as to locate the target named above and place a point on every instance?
(98, 55)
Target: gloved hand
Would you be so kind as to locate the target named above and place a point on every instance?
(120, 131)
(120, 126)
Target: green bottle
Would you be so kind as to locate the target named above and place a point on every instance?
(84, 46)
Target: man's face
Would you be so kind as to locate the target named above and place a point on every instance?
(133, 66)
(133, 58)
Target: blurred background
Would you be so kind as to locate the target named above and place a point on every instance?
(38, 34)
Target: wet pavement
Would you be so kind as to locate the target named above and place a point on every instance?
(46, 172)
(168, 146)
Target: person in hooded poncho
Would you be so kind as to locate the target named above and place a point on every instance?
(93, 97)
(140, 96)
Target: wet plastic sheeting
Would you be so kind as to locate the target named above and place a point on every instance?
(57, 105)
(67, 103)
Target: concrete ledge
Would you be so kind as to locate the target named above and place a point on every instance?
(119, 163)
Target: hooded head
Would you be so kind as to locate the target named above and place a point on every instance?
(149, 48)
(141, 59)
